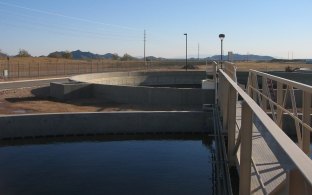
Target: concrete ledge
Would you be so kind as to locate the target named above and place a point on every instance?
(70, 90)
(143, 78)
(64, 124)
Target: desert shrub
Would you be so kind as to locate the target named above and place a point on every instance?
(23, 53)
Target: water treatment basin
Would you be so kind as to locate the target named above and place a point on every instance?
(153, 166)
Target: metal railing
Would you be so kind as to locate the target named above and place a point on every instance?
(299, 178)
(276, 100)
(230, 70)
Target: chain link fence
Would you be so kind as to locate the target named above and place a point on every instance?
(35, 68)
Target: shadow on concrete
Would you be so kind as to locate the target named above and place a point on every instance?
(41, 92)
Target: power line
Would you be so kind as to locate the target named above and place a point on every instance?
(66, 16)
(26, 20)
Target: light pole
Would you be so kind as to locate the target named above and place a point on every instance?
(221, 36)
(186, 52)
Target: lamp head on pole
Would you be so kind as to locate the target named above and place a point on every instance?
(221, 36)
(185, 34)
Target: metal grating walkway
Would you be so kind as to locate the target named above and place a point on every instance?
(269, 175)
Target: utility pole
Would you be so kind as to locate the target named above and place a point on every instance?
(144, 48)
(185, 51)
(198, 52)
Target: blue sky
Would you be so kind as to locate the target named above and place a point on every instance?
(266, 27)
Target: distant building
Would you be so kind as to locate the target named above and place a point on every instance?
(230, 56)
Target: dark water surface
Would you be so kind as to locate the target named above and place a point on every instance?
(108, 167)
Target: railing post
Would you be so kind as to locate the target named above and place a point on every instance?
(215, 79)
(254, 85)
(306, 118)
(225, 104)
(280, 95)
(220, 91)
(264, 92)
(296, 183)
(246, 150)
(248, 89)
(231, 124)
(221, 94)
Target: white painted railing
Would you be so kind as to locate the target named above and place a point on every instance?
(230, 70)
(299, 179)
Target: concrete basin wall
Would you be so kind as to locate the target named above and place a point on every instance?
(67, 124)
(153, 96)
(143, 78)
(137, 88)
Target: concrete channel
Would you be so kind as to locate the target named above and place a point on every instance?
(73, 124)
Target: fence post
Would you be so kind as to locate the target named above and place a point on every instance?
(29, 69)
(306, 118)
(231, 124)
(56, 73)
(246, 150)
(18, 67)
(48, 68)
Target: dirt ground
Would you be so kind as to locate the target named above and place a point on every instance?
(23, 101)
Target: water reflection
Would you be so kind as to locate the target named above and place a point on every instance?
(163, 165)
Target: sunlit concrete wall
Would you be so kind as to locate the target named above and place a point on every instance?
(139, 88)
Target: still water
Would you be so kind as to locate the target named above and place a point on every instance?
(108, 167)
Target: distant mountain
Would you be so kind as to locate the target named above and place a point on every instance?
(127, 57)
(88, 55)
(79, 55)
(238, 57)
(56, 54)
(153, 58)
(3, 55)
